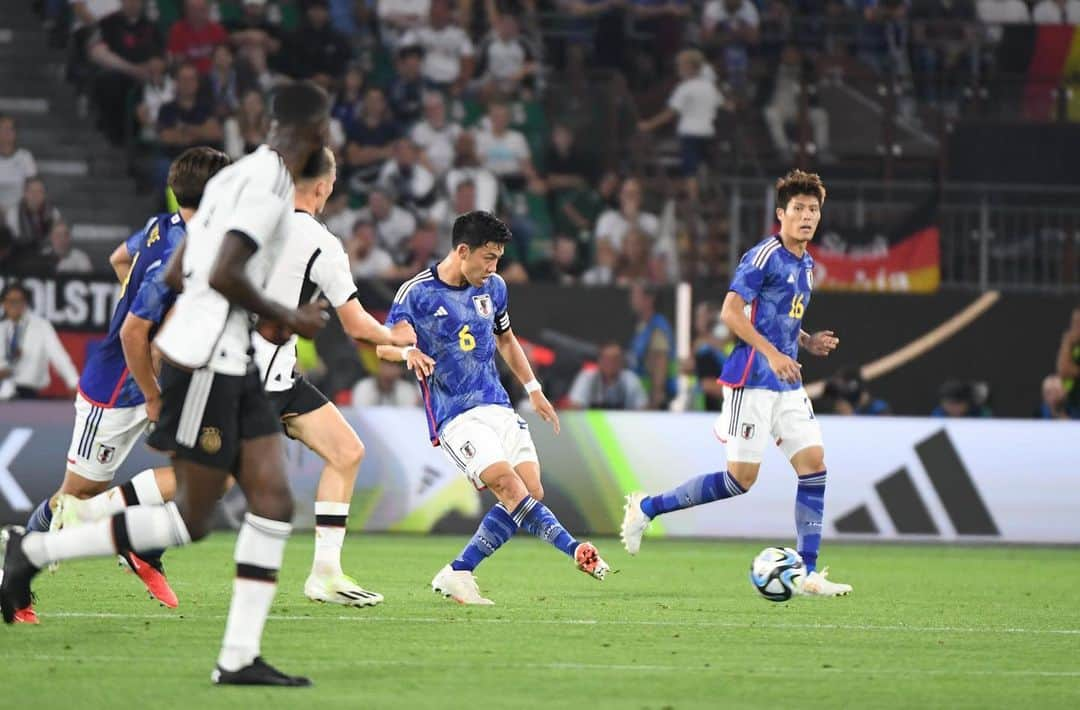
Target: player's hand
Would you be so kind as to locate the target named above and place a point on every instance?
(153, 409)
(785, 368)
(307, 320)
(419, 363)
(822, 343)
(402, 334)
(543, 407)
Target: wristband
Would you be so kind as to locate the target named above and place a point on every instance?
(406, 350)
(532, 386)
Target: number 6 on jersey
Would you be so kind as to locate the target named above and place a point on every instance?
(466, 339)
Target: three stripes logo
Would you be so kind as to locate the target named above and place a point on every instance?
(906, 508)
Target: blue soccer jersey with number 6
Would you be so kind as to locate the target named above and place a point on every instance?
(776, 286)
(456, 326)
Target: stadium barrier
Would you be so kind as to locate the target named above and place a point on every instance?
(989, 481)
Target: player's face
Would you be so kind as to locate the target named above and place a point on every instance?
(480, 263)
(799, 220)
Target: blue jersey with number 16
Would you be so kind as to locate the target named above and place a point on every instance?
(776, 286)
(456, 326)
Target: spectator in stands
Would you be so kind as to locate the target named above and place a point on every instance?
(793, 77)
(30, 345)
(713, 343)
(316, 50)
(367, 259)
(1054, 404)
(467, 167)
(943, 48)
(507, 61)
(883, 38)
(847, 392)
(67, 259)
(1068, 361)
(609, 385)
(660, 23)
(370, 142)
(563, 267)
(606, 22)
(602, 273)
(576, 211)
(221, 83)
(569, 167)
(123, 46)
(462, 200)
(652, 348)
(32, 218)
(1056, 12)
(185, 122)
(349, 101)
(420, 252)
(257, 40)
(435, 136)
(394, 225)
(16, 164)
(385, 389)
(158, 90)
(193, 38)
(407, 88)
(1002, 12)
(733, 27)
(637, 263)
(85, 15)
(398, 17)
(963, 399)
(404, 176)
(247, 130)
(448, 51)
(694, 102)
(504, 151)
(615, 223)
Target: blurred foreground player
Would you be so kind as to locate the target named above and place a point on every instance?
(215, 417)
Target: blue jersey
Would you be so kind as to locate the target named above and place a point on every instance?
(456, 326)
(105, 380)
(776, 285)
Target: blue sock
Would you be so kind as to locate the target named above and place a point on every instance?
(809, 510)
(495, 529)
(536, 518)
(41, 518)
(703, 489)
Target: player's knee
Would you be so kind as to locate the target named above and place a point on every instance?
(508, 488)
(537, 491)
(273, 503)
(745, 476)
(198, 525)
(348, 455)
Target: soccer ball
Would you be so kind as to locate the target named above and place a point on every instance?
(777, 573)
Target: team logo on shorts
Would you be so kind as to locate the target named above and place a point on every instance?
(483, 305)
(468, 450)
(747, 431)
(210, 439)
(105, 454)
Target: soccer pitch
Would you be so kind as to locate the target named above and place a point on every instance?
(677, 627)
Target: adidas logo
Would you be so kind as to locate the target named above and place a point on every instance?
(907, 509)
(441, 312)
(791, 278)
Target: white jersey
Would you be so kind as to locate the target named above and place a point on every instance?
(312, 260)
(253, 196)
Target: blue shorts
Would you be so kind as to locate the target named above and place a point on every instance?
(692, 152)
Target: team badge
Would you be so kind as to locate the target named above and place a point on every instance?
(105, 454)
(747, 431)
(468, 450)
(483, 305)
(210, 440)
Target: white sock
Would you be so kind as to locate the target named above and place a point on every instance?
(140, 490)
(140, 528)
(260, 548)
(330, 520)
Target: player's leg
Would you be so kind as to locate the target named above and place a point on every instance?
(743, 428)
(800, 439)
(152, 486)
(325, 431)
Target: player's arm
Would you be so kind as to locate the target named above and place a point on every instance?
(229, 277)
(415, 359)
(514, 356)
(820, 343)
(733, 314)
(358, 324)
(174, 269)
(120, 261)
(665, 116)
(135, 341)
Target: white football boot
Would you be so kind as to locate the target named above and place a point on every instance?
(459, 585)
(634, 523)
(339, 589)
(817, 584)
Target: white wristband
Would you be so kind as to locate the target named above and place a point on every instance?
(406, 350)
(532, 385)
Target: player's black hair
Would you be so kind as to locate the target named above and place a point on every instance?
(475, 229)
(190, 172)
(300, 103)
(17, 286)
(798, 182)
(321, 164)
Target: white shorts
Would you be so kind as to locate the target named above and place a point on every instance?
(754, 417)
(103, 438)
(484, 436)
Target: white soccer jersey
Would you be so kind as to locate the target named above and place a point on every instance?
(253, 196)
(311, 261)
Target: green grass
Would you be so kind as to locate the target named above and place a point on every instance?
(677, 627)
